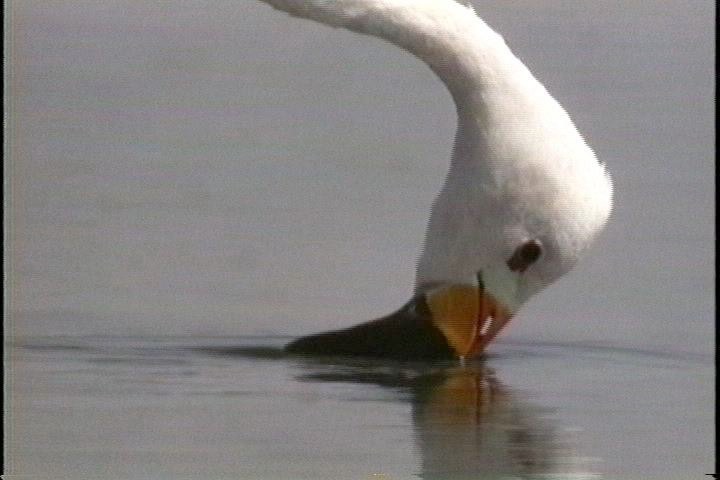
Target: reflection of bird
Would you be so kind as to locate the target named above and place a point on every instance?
(524, 196)
(467, 424)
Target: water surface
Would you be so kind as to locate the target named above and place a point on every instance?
(164, 407)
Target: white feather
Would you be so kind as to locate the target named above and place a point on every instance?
(519, 167)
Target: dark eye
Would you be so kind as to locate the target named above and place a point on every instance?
(525, 255)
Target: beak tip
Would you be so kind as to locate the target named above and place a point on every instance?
(469, 317)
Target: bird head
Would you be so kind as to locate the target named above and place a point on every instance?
(481, 296)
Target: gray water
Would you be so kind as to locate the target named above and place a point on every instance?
(192, 183)
(237, 407)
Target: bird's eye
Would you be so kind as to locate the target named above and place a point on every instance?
(525, 255)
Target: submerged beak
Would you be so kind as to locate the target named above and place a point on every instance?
(468, 316)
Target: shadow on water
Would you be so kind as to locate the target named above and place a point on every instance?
(467, 423)
(256, 353)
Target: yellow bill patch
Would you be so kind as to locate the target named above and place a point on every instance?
(455, 311)
(469, 318)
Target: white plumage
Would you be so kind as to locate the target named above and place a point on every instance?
(519, 169)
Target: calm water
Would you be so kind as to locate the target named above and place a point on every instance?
(119, 407)
(191, 183)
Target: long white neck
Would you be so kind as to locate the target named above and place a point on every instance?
(457, 45)
(489, 84)
(511, 132)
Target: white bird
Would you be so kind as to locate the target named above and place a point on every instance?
(523, 199)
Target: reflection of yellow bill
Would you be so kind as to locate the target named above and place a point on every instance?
(468, 316)
(465, 398)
